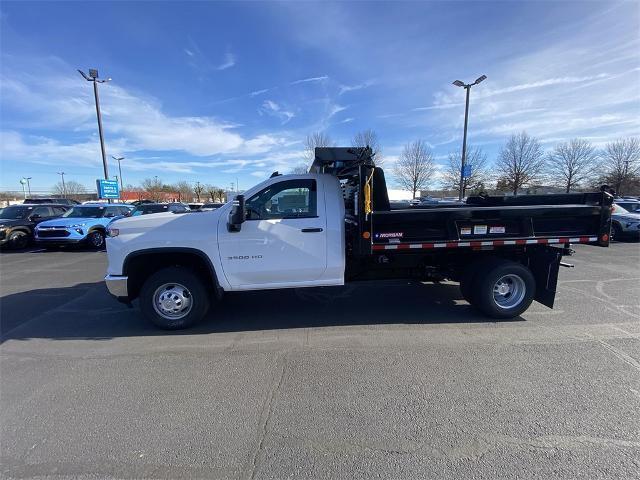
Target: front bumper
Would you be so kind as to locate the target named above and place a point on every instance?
(60, 235)
(117, 286)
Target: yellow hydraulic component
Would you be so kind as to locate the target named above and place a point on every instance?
(368, 190)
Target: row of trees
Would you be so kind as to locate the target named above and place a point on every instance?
(154, 189)
(522, 163)
(185, 190)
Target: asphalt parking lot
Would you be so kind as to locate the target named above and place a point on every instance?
(391, 380)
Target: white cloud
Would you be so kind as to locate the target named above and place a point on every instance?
(352, 88)
(311, 79)
(269, 107)
(348, 120)
(228, 62)
(130, 119)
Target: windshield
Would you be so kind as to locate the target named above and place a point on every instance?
(146, 209)
(15, 213)
(85, 212)
(629, 207)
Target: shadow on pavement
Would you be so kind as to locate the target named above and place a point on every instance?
(87, 311)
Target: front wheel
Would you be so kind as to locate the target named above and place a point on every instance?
(95, 239)
(18, 240)
(174, 298)
(504, 290)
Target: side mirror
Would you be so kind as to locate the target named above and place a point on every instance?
(237, 215)
(35, 217)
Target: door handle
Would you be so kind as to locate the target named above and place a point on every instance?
(310, 230)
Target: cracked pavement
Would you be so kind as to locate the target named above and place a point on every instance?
(394, 380)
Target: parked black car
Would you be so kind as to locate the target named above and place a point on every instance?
(147, 208)
(18, 221)
(55, 201)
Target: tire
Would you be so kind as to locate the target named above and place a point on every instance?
(174, 298)
(95, 239)
(468, 275)
(616, 232)
(504, 289)
(18, 239)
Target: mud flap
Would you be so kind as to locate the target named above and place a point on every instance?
(544, 265)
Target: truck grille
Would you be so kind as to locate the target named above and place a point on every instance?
(53, 233)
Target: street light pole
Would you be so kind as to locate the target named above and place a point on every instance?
(119, 159)
(93, 77)
(64, 189)
(24, 192)
(467, 87)
(28, 184)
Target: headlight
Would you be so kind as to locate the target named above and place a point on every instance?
(112, 232)
(3, 227)
(78, 225)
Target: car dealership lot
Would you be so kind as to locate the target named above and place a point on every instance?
(363, 381)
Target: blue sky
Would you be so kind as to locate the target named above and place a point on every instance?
(211, 92)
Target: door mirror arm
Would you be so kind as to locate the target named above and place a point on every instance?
(237, 215)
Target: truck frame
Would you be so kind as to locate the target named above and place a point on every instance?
(336, 225)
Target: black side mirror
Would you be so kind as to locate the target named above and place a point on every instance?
(237, 215)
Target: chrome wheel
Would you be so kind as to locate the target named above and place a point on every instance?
(172, 301)
(96, 239)
(509, 291)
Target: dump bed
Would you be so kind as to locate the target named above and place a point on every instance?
(487, 221)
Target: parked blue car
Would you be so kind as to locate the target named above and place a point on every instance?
(85, 223)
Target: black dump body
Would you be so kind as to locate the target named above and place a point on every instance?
(440, 241)
(483, 221)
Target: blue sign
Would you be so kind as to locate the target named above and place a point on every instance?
(466, 171)
(108, 188)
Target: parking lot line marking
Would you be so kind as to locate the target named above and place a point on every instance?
(621, 355)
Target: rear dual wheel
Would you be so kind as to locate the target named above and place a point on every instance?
(498, 288)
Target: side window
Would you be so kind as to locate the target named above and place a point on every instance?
(58, 211)
(43, 212)
(112, 212)
(288, 199)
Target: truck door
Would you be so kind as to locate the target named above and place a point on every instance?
(283, 241)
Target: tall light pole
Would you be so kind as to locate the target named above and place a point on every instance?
(119, 159)
(28, 184)
(93, 77)
(467, 87)
(64, 189)
(23, 182)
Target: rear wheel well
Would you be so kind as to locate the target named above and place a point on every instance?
(141, 266)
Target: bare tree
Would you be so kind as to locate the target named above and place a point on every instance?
(572, 163)
(220, 195)
(153, 187)
(184, 189)
(216, 194)
(479, 177)
(414, 169)
(313, 140)
(299, 169)
(70, 189)
(521, 161)
(369, 138)
(621, 166)
(198, 189)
